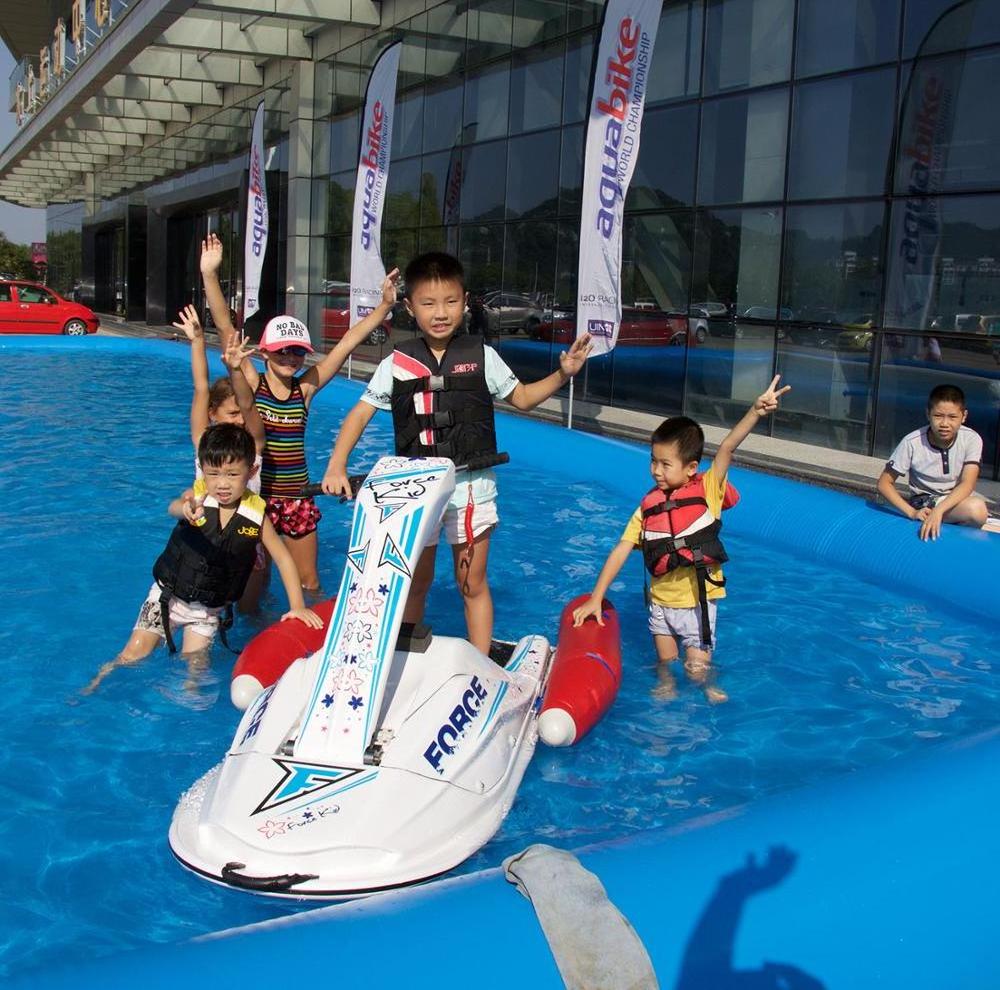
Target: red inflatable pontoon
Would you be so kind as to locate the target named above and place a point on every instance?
(586, 672)
(271, 652)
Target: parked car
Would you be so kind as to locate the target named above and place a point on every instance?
(699, 320)
(649, 327)
(509, 312)
(714, 310)
(857, 334)
(768, 313)
(336, 318)
(27, 307)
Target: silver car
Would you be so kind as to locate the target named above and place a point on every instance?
(508, 312)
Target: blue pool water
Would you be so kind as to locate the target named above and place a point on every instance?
(826, 673)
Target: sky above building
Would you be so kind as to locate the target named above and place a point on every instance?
(17, 223)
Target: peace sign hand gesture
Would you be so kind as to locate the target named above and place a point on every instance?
(767, 403)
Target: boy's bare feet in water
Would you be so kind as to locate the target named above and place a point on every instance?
(715, 695)
(197, 663)
(666, 686)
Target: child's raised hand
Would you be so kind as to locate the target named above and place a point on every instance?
(188, 322)
(306, 615)
(591, 607)
(389, 287)
(767, 403)
(238, 349)
(192, 506)
(211, 255)
(575, 358)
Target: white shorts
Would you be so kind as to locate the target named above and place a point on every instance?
(484, 517)
(200, 619)
(683, 624)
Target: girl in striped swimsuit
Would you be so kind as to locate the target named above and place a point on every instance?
(283, 398)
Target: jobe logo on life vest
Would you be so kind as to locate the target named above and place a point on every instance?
(458, 721)
(248, 531)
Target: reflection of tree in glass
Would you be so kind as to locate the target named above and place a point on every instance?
(708, 959)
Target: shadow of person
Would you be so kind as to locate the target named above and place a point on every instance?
(708, 958)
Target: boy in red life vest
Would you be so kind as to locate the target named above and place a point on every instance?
(440, 387)
(677, 528)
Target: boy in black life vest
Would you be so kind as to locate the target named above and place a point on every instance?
(440, 389)
(209, 557)
(677, 528)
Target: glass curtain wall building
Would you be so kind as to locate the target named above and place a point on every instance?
(817, 195)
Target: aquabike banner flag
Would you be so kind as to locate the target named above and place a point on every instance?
(367, 269)
(255, 244)
(621, 71)
(926, 134)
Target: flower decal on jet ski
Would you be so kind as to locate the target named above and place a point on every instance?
(270, 829)
(361, 631)
(347, 679)
(364, 603)
(355, 702)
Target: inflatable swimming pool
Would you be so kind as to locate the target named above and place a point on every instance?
(882, 878)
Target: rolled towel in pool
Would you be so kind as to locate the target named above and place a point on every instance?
(592, 942)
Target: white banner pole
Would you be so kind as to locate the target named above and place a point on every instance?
(255, 235)
(367, 269)
(618, 94)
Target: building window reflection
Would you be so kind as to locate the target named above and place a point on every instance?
(743, 148)
(736, 261)
(747, 43)
(831, 271)
(848, 34)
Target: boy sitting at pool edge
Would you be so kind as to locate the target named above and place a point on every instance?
(676, 526)
(440, 387)
(941, 462)
(209, 557)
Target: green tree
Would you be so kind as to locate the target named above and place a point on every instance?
(15, 259)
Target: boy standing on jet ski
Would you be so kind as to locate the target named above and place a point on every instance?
(209, 557)
(677, 528)
(440, 388)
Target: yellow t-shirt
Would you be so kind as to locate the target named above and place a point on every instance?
(679, 588)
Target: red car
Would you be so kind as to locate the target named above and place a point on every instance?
(336, 320)
(26, 307)
(639, 327)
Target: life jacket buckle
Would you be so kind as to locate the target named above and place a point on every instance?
(443, 417)
(435, 383)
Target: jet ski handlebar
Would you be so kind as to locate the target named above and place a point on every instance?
(357, 480)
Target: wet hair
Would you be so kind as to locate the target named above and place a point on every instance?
(219, 391)
(434, 266)
(225, 442)
(946, 393)
(686, 433)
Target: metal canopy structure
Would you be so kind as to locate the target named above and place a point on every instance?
(170, 88)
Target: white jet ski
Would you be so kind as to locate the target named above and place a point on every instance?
(377, 762)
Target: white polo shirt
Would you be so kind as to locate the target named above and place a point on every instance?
(933, 470)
